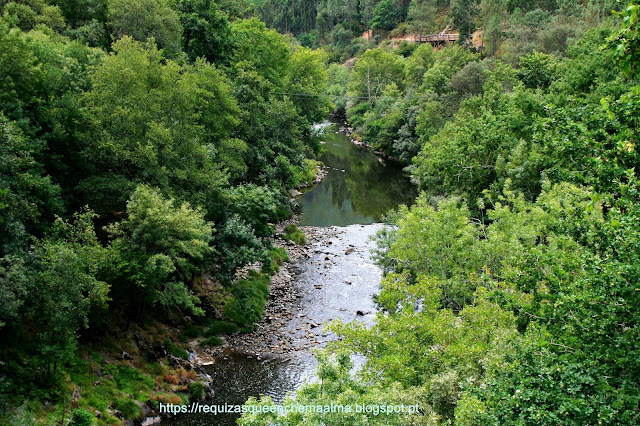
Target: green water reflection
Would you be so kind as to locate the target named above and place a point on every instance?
(359, 188)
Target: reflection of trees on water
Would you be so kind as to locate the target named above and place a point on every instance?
(363, 193)
(375, 194)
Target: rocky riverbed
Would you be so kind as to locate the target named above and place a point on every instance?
(331, 277)
(334, 261)
(283, 304)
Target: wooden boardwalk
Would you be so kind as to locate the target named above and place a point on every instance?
(438, 39)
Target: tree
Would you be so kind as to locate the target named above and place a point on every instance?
(418, 63)
(207, 32)
(69, 290)
(626, 42)
(14, 286)
(470, 79)
(385, 16)
(437, 242)
(462, 16)
(421, 15)
(160, 247)
(28, 198)
(307, 78)
(27, 15)
(537, 70)
(264, 49)
(158, 123)
(374, 71)
(493, 34)
(145, 19)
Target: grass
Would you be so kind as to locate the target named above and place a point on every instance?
(176, 350)
(277, 256)
(191, 332)
(128, 408)
(196, 390)
(293, 233)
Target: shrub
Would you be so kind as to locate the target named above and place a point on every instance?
(221, 327)
(238, 246)
(277, 256)
(81, 417)
(196, 390)
(191, 332)
(213, 341)
(270, 267)
(293, 233)
(249, 299)
(248, 329)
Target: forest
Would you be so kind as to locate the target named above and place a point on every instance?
(147, 150)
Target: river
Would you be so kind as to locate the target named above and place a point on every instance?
(337, 280)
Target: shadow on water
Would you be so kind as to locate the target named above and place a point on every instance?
(360, 188)
(337, 281)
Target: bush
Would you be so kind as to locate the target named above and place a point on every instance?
(238, 246)
(213, 341)
(249, 299)
(191, 332)
(248, 329)
(196, 390)
(308, 173)
(279, 255)
(270, 267)
(81, 417)
(221, 327)
(293, 233)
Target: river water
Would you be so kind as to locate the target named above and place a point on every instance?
(337, 281)
(360, 188)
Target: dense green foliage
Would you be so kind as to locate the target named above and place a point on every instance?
(510, 293)
(145, 147)
(146, 150)
(249, 300)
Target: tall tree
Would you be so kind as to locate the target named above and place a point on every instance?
(155, 124)
(207, 32)
(144, 19)
(385, 16)
(421, 15)
(463, 14)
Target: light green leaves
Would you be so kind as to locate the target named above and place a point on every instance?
(161, 246)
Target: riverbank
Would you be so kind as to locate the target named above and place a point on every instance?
(332, 277)
(282, 306)
(356, 139)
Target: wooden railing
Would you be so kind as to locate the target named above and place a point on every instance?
(437, 38)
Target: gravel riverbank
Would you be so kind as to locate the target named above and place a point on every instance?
(283, 304)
